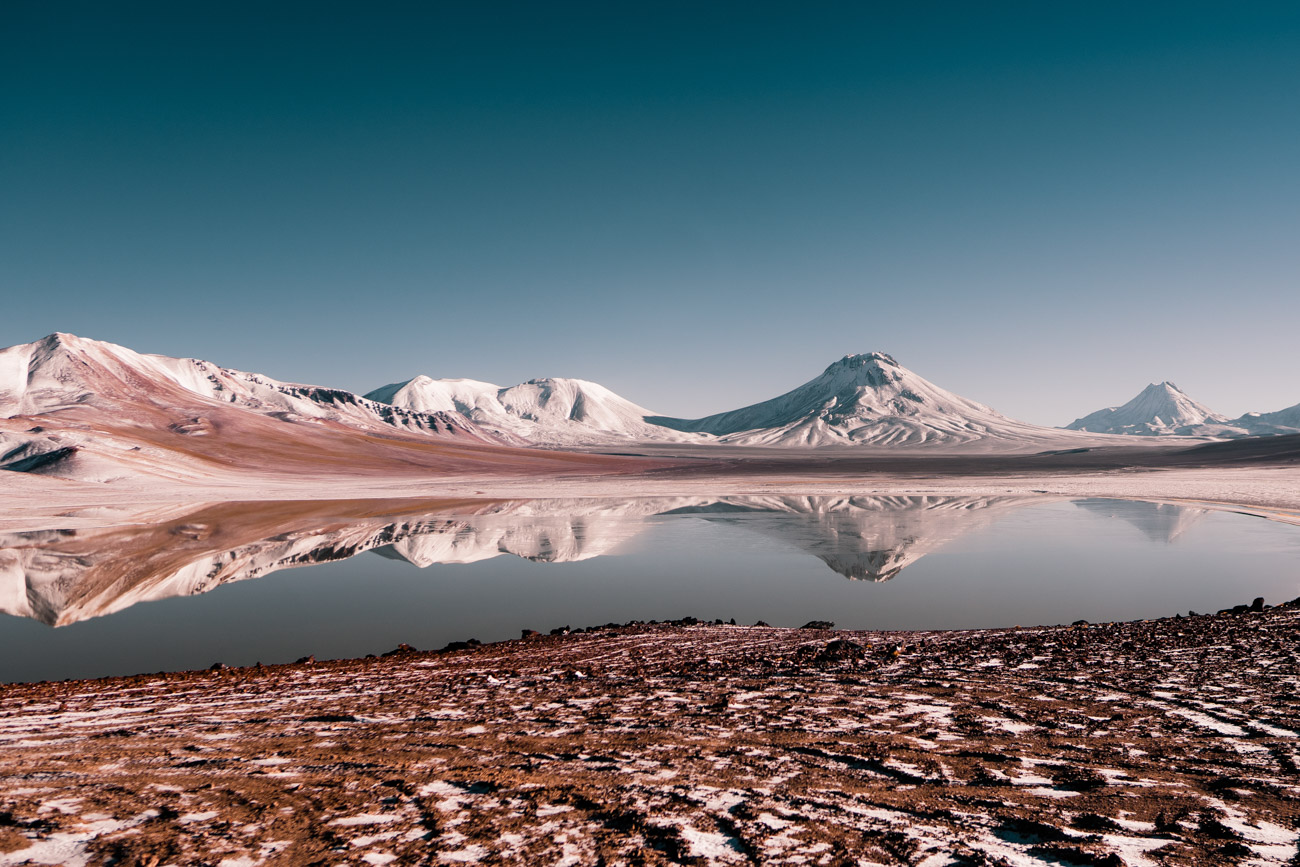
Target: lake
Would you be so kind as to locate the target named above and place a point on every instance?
(271, 582)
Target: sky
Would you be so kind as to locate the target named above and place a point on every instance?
(1040, 206)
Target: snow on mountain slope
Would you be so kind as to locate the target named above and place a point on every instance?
(92, 411)
(867, 399)
(63, 371)
(553, 412)
(1164, 410)
(1283, 421)
(1160, 409)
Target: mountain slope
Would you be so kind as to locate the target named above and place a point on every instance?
(1160, 409)
(867, 399)
(93, 411)
(1279, 423)
(1165, 410)
(64, 371)
(553, 412)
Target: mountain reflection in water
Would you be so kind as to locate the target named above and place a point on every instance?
(64, 576)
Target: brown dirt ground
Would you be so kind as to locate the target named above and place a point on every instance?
(1171, 742)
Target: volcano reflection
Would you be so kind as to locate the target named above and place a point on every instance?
(66, 576)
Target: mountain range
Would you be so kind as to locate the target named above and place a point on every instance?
(1166, 410)
(82, 408)
(859, 400)
(95, 411)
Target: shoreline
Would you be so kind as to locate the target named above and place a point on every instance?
(40, 503)
(536, 638)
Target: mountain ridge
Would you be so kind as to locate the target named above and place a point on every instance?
(867, 399)
(92, 410)
(550, 411)
(1163, 409)
(77, 408)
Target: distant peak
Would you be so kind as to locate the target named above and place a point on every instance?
(1164, 386)
(868, 359)
(59, 338)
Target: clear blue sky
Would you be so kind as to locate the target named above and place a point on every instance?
(1042, 206)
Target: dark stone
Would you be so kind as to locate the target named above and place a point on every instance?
(818, 624)
(1094, 822)
(1076, 778)
(1216, 829)
(531, 633)
(1235, 849)
(1258, 604)
(762, 623)
(1066, 854)
(306, 660)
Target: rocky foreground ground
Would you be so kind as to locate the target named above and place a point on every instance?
(1170, 742)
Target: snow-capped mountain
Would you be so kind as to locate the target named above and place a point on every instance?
(552, 412)
(63, 372)
(1163, 409)
(867, 399)
(1257, 424)
(1159, 409)
(94, 411)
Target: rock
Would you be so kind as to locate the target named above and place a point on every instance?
(218, 666)
(839, 650)
(530, 634)
(560, 630)
(401, 650)
(842, 648)
(818, 624)
(306, 660)
(1095, 822)
(762, 623)
(1258, 604)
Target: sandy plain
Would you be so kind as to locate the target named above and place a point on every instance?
(1255, 476)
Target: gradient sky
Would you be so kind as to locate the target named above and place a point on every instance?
(1041, 206)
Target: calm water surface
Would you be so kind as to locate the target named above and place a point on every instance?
(273, 582)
